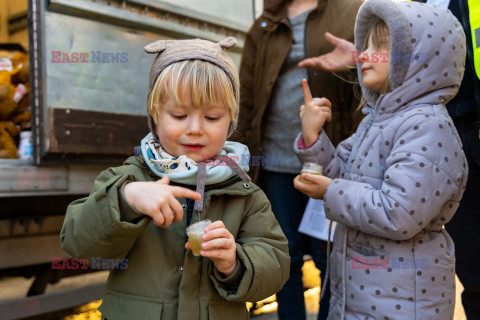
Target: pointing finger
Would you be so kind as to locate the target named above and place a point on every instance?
(180, 192)
(307, 95)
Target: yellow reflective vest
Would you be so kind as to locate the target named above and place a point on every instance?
(474, 17)
(474, 10)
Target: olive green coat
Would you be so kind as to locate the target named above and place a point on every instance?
(163, 280)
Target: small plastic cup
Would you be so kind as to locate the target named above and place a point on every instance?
(312, 168)
(194, 234)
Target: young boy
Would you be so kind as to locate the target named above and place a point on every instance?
(134, 212)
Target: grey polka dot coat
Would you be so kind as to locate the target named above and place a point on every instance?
(400, 177)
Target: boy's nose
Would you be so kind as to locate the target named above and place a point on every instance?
(195, 125)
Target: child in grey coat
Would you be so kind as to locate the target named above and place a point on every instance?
(393, 184)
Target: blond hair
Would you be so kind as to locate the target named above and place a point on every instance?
(204, 81)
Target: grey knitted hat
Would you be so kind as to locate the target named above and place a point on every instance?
(171, 51)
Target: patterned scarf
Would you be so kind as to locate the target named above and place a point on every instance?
(164, 162)
(184, 170)
(231, 160)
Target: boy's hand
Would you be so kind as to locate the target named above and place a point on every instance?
(315, 187)
(157, 199)
(313, 114)
(219, 245)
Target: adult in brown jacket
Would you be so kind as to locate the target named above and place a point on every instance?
(287, 32)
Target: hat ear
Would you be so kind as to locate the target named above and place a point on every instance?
(227, 43)
(156, 47)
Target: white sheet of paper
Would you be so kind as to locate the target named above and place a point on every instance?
(441, 3)
(314, 222)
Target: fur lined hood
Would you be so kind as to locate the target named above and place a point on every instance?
(427, 52)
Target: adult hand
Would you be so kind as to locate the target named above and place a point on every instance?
(219, 245)
(313, 114)
(342, 58)
(157, 199)
(315, 185)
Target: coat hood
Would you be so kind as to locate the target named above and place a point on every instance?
(427, 52)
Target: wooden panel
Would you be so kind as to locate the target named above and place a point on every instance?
(31, 226)
(30, 250)
(21, 179)
(93, 132)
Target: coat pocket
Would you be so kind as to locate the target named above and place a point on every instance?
(219, 310)
(378, 284)
(118, 306)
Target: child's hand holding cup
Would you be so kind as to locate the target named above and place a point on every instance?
(312, 168)
(194, 234)
(314, 184)
(215, 243)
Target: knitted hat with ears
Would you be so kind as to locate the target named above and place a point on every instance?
(171, 51)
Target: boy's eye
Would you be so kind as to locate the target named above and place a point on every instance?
(178, 116)
(212, 118)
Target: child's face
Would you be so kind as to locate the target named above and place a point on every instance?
(375, 66)
(199, 133)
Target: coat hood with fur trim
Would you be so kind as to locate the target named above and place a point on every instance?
(427, 52)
